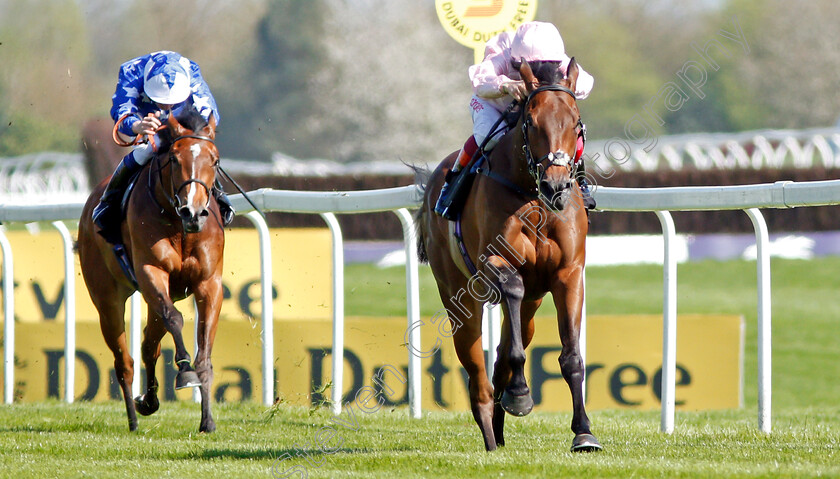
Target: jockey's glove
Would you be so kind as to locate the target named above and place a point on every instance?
(516, 89)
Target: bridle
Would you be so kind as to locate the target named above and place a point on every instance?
(173, 196)
(554, 158)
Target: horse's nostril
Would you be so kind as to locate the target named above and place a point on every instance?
(184, 212)
(204, 213)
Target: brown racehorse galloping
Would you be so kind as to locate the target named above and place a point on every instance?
(524, 227)
(174, 238)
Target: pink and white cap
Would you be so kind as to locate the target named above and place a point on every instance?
(538, 41)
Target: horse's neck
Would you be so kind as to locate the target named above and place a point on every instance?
(156, 181)
(508, 160)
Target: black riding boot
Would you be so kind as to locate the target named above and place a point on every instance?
(106, 215)
(444, 201)
(453, 194)
(225, 208)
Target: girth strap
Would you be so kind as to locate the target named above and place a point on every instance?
(462, 248)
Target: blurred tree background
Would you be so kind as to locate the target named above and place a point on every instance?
(355, 80)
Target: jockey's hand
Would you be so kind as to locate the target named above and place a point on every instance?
(516, 89)
(148, 125)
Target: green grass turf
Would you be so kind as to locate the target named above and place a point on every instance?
(51, 439)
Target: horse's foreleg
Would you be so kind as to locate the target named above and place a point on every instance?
(187, 377)
(516, 398)
(502, 371)
(568, 298)
(173, 321)
(154, 283)
(208, 318)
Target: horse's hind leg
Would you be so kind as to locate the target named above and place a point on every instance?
(502, 372)
(114, 334)
(568, 298)
(467, 340)
(148, 403)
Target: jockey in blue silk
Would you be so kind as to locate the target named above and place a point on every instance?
(148, 88)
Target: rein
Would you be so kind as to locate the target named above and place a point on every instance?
(173, 199)
(137, 139)
(175, 202)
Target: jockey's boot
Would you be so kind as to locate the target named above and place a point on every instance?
(106, 215)
(446, 205)
(225, 208)
(443, 207)
(449, 190)
(588, 200)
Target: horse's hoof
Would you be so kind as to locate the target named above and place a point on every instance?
(517, 405)
(586, 443)
(146, 406)
(187, 379)
(208, 428)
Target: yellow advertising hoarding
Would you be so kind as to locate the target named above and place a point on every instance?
(624, 357)
(301, 269)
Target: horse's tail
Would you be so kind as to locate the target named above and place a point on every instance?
(421, 177)
(422, 255)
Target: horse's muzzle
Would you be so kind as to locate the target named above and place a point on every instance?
(555, 193)
(192, 220)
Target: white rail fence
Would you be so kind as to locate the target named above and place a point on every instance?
(706, 151)
(749, 198)
(40, 176)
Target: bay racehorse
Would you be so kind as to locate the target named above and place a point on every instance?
(522, 234)
(173, 243)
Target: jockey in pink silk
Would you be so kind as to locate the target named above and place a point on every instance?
(497, 83)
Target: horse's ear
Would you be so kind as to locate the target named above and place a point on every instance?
(174, 126)
(211, 126)
(572, 72)
(531, 82)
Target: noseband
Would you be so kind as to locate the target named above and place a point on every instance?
(554, 158)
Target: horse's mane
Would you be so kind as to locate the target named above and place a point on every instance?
(190, 118)
(547, 72)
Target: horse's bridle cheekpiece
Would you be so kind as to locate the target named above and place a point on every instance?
(555, 158)
(174, 200)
